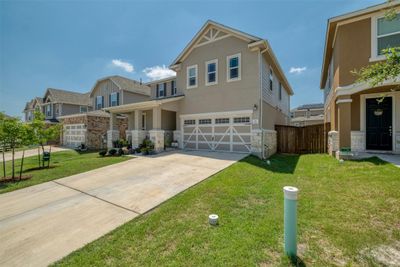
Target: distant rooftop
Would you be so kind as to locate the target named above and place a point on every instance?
(310, 106)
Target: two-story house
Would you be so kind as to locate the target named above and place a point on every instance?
(228, 94)
(308, 114)
(56, 103)
(362, 118)
(34, 105)
(91, 127)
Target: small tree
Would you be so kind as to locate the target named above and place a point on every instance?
(42, 133)
(14, 133)
(2, 141)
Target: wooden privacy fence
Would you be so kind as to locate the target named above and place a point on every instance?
(302, 140)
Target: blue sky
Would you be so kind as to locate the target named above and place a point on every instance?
(71, 44)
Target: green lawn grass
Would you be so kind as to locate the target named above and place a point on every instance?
(64, 163)
(345, 212)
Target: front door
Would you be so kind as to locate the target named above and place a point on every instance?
(379, 123)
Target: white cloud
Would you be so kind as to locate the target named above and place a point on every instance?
(158, 72)
(126, 66)
(297, 70)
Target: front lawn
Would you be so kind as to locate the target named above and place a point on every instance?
(348, 215)
(64, 163)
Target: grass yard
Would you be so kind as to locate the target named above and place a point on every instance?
(348, 215)
(64, 163)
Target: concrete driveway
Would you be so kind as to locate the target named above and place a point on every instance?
(43, 223)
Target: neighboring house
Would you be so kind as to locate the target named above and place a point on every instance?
(91, 127)
(230, 92)
(308, 114)
(56, 103)
(31, 107)
(362, 118)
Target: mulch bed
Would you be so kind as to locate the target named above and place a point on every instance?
(9, 179)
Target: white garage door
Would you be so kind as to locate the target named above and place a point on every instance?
(225, 133)
(74, 135)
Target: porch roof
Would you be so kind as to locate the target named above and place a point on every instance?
(142, 105)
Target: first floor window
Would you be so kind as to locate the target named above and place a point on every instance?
(192, 76)
(99, 102)
(233, 67)
(388, 33)
(114, 99)
(212, 72)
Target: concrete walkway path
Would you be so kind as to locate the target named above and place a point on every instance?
(394, 159)
(30, 152)
(43, 223)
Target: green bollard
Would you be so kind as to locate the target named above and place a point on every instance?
(290, 220)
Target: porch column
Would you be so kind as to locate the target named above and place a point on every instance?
(113, 133)
(131, 118)
(137, 133)
(157, 134)
(344, 122)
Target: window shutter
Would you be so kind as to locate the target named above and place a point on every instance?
(172, 87)
(157, 91)
(118, 99)
(165, 89)
(102, 101)
(109, 100)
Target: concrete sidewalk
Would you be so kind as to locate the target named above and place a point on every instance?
(30, 152)
(43, 223)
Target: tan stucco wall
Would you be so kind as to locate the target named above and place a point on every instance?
(168, 120)
(225, 96)
(353, 45)
(271, 117)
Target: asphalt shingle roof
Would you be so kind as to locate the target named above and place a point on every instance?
(68, 97)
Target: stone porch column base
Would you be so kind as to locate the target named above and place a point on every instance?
(256, 142)
(177, 136)
(333, 142)
(112, 135)
(157, 137)
(270, 142)
(358, 140)
(137, 137)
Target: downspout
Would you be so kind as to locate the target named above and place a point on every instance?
(260, 53)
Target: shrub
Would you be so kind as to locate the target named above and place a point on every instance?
(103, 153)
(112, 151)
(120, 152)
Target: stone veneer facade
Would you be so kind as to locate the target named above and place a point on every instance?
(96, 128)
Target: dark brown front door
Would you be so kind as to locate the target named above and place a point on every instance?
(379, 123)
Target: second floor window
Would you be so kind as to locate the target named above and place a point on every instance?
(271, 80)
(280, 91)
(114, 99)
(388, 33)
(173, 87)
(192, 76)
(212, 72)
(48, 110)
(161, 87)
(82, 109)
(233, 67)
(99, 102)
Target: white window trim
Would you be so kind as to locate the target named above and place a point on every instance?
(216, 72)
(187, 76)
(374, 38)
(111, 95)
(228, 79)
